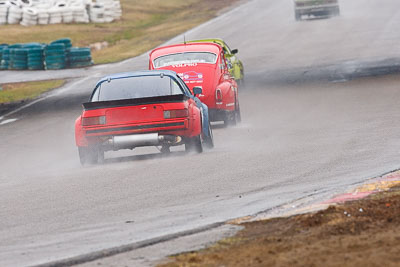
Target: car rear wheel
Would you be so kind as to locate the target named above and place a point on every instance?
(194, 144)
(337, 12)
(238, 114)
(297, 15)
(230, 118)
(90, 155)
(165, 150)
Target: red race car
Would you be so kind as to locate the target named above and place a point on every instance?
(203, 65)
(148, 108)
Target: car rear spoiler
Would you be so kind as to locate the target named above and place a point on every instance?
(134, 101)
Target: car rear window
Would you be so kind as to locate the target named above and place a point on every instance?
(185, 58)
(136, 87)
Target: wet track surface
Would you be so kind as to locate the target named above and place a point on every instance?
(309, 130)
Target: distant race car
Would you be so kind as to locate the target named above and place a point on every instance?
(147, 108)
(203, 65)
(234, 64)
(316, 8)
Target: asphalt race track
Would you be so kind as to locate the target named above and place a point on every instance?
(318, 118)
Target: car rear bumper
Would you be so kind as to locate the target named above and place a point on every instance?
(164, 126)
(138, 140)
(129, 136)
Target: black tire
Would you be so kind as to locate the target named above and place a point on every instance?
(230, 118)
(337, 11)
(194, 144)
(88, 155)
(238, 114)
(165, 150)
(209, 140)
(297, 16)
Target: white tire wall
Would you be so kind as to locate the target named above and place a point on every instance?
(29, 16)
(79, 13)
(55, 16)
(26, 3)
(32, 12)
(14, 14)
(96, 13)
(43, 17)
(4, 6)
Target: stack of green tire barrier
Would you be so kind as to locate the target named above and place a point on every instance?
(2, 46)
(4, 51)
(55, 56)
(35, 58)
(18, 57)
(65, 41)
(5, 59)
(79, 57)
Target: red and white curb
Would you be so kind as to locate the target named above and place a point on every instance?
(383, 183)
(379, 184)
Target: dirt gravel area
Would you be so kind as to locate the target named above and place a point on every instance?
(358, 233)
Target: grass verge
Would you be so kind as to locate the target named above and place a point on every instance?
(16, 92)
(144, 25)
(365, 232)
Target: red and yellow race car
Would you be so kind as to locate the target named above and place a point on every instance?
(148, 108)
(203, 65)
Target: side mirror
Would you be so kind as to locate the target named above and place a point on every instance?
(197, 90)
(235, 51)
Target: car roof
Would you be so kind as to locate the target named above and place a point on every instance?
(137, 74)
(212, 40)
(209, 40)
(188, 47)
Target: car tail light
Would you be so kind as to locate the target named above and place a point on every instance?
(90, 121)
(218, 96)
(176, 113)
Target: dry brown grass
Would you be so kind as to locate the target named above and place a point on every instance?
(15, 92)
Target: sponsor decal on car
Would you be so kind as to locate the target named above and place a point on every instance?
(184, 65)
(191, 77)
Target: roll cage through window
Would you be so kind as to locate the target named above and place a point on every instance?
(137, 87)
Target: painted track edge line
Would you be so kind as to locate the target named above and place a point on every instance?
(92, 256)
(40, 99)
